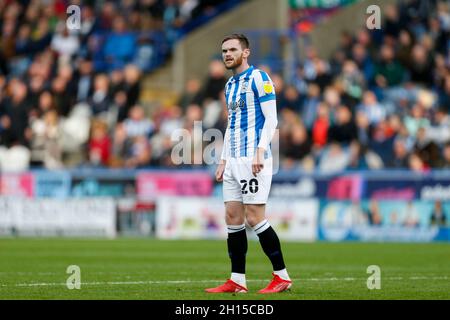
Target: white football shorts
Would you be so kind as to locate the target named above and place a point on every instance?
(239, 183)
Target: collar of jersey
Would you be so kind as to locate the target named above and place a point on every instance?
(237, 76)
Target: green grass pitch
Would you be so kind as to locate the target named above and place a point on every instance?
(127, 268)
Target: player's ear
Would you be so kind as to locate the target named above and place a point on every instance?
(246, 52)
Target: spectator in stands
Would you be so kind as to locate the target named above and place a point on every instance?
(337, 62)
(334, 159)
(388, 71)
(392, 23)
(108, 13)
(75, 134)
(99, 146)
(119, 48)
(322, 74)
(416, 163)
(320, 127)
(439, 131)
(8, 32)
(279, 87)
(23, 46)
(132, 84)
(16, 158)
(382, 140)
(309, 71)
(119, 108)
(84, 80)
(65, 72)
(46, 103)
(298, 146)
(42, 35)
(345, 42)
(420, 66)
(139, 153)
(17, 107)
(427, 150)
(444, 93)
(206, 7)
(161, 142)
(310, 105)
(137, 124)
(63, 101)
(145, 55)
(215, 81)
(171, 20)
(291, 99)
(344, 130)
(333, 100)
(36, 87)
(371, 108)
(191, 93)
(52, 155)
(400, 158)
(416, 120)
(212, 110)
(89, 24)
(352, 81)
(65, 45)
(116, 81)
(439, 28)
(361, 158)
(404, 47)
(186, 8)
(363, 128)
(100, 101)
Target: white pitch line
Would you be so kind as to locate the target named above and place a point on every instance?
(53, 284)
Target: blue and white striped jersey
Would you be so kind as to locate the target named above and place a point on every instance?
(244, 94)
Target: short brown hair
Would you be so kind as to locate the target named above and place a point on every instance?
(245, 44)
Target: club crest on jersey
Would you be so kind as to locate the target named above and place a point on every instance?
(268, 87)
(236, 104)
(244, 86)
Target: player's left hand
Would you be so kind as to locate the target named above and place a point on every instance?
(258, 161)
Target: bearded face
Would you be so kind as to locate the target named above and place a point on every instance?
(233, 63)
(232, 54)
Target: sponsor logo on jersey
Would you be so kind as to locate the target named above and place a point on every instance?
(244, 86)
(236, 104)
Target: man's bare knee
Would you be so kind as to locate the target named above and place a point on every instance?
(234, 213)
(255, 213)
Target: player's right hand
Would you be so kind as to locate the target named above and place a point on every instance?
(219, 172)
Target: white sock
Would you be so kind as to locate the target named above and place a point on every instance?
(283, 274)
(239, 278)
(261, 227)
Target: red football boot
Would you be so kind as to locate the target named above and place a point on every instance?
(229, 286)
(276, 285)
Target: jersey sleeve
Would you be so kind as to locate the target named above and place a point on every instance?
(263, 87)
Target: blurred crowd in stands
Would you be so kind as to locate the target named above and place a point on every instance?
(381, 101)
(71, 98)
